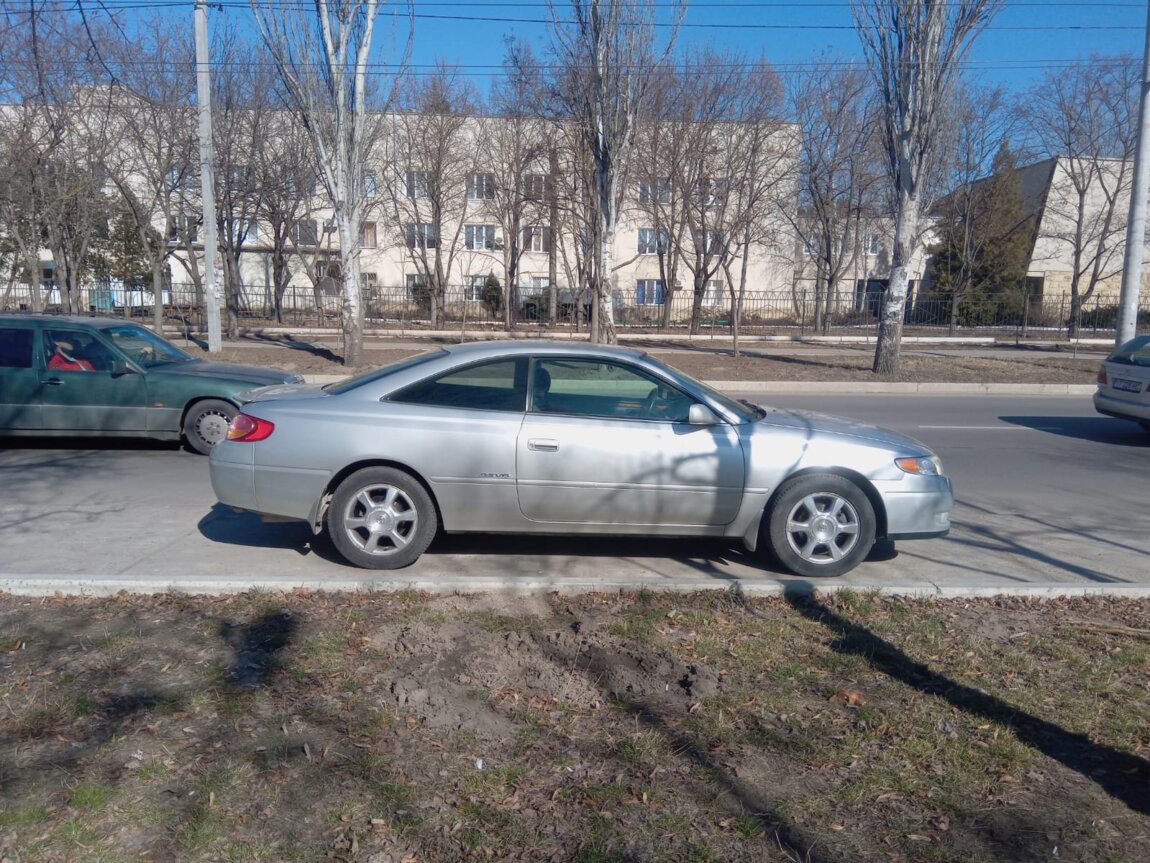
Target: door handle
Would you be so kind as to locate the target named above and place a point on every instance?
(52, 382)
(543, 444)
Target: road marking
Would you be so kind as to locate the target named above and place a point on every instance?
(993, 428)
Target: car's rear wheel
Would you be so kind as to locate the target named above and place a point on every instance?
(821, 525)
(381, 518)
(206, 424)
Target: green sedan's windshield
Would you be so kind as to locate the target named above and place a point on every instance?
(144, 347)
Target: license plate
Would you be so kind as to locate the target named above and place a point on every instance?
(1127, 386)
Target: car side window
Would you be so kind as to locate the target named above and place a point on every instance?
(15, 348)
(594, 388)
(494, 386)
(75, 351)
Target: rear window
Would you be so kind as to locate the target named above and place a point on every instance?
(1135, 352)
(348, 384)
(15, 348)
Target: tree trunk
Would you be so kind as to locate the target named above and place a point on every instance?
(889, 343)
(158, 296)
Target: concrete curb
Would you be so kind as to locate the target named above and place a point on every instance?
(110, 585)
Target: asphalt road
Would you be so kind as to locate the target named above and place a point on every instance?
(1051, 500)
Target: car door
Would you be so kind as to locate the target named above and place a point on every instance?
(19, 379)
(605, 443)
(458, 430)
(89, 386)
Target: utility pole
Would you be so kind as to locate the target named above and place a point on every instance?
(207, 177)
(1136, 222)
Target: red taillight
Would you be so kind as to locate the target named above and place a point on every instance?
(249, 429)
(1102, 376)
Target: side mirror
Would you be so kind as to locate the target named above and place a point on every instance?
(121, 367)
(701, 415)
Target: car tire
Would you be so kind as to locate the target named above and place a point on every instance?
(381, 518)
(821, 525)
(206, 424)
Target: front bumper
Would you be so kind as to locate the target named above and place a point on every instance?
(919, 509)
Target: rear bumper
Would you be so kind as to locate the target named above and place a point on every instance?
(1106, 402)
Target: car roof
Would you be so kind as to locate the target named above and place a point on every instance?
(74, 320)
(530, 347)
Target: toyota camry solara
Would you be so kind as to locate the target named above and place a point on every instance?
(556, 438)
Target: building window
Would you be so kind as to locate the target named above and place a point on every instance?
(239, 177)
(305, 232)
(370, 186)
(871, 244)
(420, 235)
(181, 229)
(655, 190)
(651, 242)
(481, 187)
(537, 239)
(415, 283)
(370, 282)
(246, 231)
(417, 184)
(648, 292)
(712, 191)
(713, 293)
(709, 243)
(536, 187)
(479, 238)
(473, 290)
(367, 237)
(534, 285)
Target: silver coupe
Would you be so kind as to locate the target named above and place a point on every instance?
(556, 438)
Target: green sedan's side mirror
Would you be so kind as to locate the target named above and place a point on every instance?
(121, 367)
(701, 415)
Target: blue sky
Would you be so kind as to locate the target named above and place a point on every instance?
(1027, 39)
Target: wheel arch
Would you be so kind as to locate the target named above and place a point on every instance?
(864, 485)
(320, 512)
(191, 403)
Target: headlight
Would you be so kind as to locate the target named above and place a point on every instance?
(293, 379)
(921, 465)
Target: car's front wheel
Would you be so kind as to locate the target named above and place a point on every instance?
(821, 525)
(381, 518)
(206, 424)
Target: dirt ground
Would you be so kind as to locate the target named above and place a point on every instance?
(633, 727)
(798, 363)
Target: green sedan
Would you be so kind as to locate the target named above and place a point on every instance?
(80, 376)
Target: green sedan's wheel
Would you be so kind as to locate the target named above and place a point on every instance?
(206, 424)
(381, 518)
(821, 525)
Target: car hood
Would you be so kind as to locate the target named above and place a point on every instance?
(826, 424)
(231, 371)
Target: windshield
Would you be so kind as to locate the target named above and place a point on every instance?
(383, 371)
(144, 347)
(1135, 352)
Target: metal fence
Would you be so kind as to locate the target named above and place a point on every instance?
(763, 312)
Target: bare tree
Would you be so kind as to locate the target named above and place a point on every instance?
(914, 49)
(517, 145)
(436, 183)
(322, 58)
(609, 52)
(834, 108)
(152, 165)
(1086, 119)
(285, 172)
(974, 216)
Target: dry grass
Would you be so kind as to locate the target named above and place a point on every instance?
(390, 727)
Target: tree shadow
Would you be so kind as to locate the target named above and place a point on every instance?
(1123, 776)
(257, 646)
